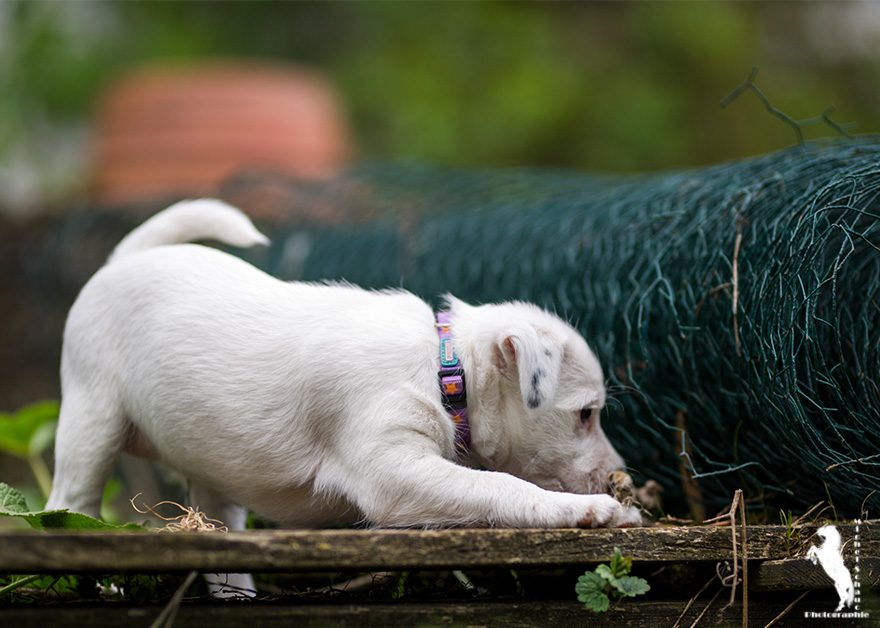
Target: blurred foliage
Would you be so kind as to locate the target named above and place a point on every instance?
(600, 86)
(27, 434)
(30, 430)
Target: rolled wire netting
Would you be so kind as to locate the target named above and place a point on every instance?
(735, 309)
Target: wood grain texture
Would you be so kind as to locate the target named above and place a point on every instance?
(374, 550)
(798, 573)
(509, 613)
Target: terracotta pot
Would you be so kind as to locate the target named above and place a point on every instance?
(168, 132)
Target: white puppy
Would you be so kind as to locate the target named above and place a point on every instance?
(320, 404)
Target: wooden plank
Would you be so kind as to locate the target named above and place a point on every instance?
(509, 613)
(366, 550)
(799, 573)
(371, 550)
(375, 550)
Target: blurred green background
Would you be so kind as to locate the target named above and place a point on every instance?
(606, 86)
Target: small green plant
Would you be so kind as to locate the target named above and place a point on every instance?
(609, 582)
(13, 504)
(788, 520)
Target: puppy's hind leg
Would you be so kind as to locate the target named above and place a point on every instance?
(91, 430)
(234, 517)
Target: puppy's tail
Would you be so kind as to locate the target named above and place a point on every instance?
(186, 221)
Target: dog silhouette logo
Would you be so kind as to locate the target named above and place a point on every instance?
(830, 556)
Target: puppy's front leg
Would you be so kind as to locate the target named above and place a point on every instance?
(417, 487)
(216, 506)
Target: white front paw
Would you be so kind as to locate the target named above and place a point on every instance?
(606, 512)
(627, 517)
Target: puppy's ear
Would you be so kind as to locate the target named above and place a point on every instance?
(537, 360)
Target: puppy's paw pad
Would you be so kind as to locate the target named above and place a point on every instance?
(586, 521)
(600, 513)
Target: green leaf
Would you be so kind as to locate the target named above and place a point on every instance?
(590, 589)
(632, 586)
(596, 588)
(605, 572)
(17, 430)
(622, 584)
(620, 564)
(13, 504)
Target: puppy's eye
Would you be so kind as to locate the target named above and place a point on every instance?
(586, 415)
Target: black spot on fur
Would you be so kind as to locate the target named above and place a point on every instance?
(534, 400)
(536, 378)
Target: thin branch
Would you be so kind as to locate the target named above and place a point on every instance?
(787, 608)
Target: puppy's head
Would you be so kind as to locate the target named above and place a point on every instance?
(538, 396)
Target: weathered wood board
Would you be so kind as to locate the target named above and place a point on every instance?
(776, 564)
(798, 573)
(375, 550)
(512, 613)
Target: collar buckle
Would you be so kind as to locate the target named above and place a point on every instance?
(453, 388)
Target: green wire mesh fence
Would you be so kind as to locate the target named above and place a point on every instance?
(735, 309)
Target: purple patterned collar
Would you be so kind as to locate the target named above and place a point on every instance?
(452, 385)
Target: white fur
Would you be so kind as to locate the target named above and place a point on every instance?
(829, 555)
(319, 404)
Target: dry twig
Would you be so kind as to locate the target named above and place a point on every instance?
(192, 520)
(739, 237)
(703, 612)
(787, 608)
(691, 602)
(732, 580)
(165, 619)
